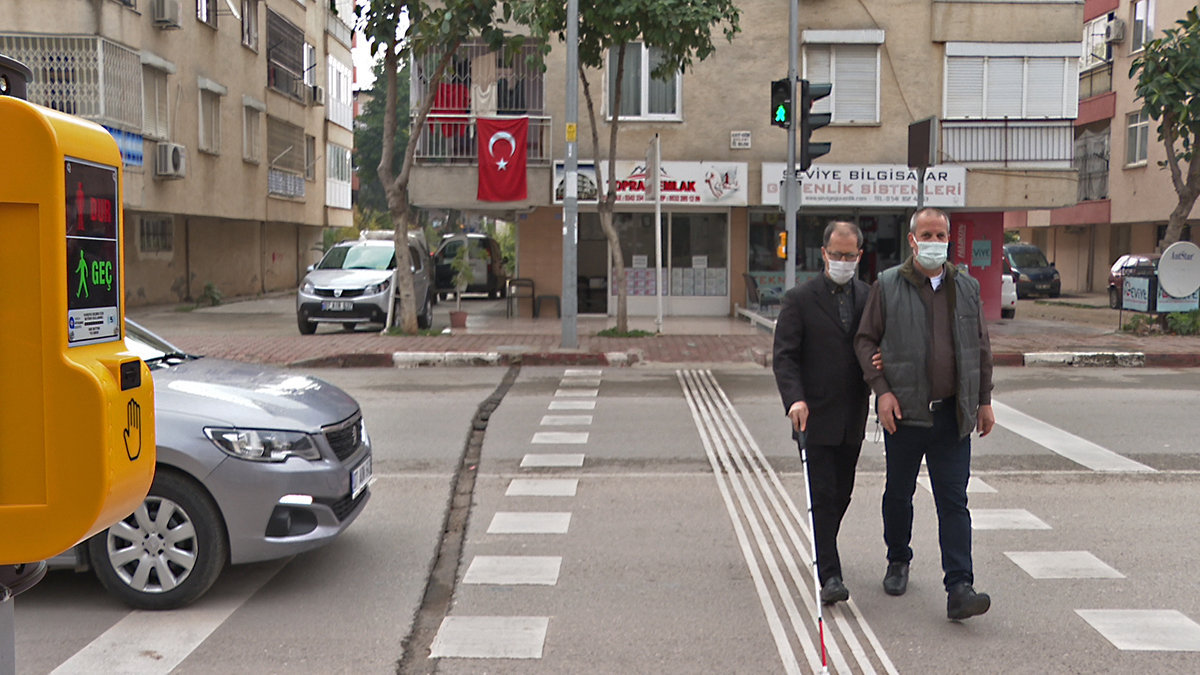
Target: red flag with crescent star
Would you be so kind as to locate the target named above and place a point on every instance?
(502, 158)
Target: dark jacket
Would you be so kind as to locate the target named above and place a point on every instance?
(815, 362)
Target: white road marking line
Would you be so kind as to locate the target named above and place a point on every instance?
(974, 485)
(1062, 565)
(490, 637)
(566, 420)
(577, 393)
(1160, 630)
(1005, 519)
(530, 522)
(143, 643)
(513, 570)
(542, 487)
(536, 460)
(560, 438)
(576, 382)
(1068, 445)
(769, 479)
(572, 405)
(582, 372)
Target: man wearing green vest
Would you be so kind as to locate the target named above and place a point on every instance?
(934, 388)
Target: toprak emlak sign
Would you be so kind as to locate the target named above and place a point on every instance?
(682, 183)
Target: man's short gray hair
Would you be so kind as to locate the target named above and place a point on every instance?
(912, 222)
(844, 226)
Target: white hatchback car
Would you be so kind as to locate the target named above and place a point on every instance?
(1008, 297)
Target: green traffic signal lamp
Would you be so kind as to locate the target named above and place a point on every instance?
(810, 93)
(781, 103)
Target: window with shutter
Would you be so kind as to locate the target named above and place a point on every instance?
(1014, 87)
(1045, 88)
(964, 87)
(1005, 79)
(154, 104)
(210, 121)
(853, 69)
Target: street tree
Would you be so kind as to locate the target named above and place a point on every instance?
(368, 140)
(680, 32)
(1168, 82)
(428, 29)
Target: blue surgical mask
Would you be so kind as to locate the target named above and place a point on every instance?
(931, 254)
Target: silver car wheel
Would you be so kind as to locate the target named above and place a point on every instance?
(153, 550)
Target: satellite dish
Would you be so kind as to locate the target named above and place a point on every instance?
(1179, 269)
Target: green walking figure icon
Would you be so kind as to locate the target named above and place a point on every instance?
(82, 291)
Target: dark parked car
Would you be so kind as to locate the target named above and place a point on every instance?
(1131, 265)
(1034, 276)
(254, 463)
(487, 264)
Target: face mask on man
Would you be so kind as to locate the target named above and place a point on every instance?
(931, 254)
(841, 271)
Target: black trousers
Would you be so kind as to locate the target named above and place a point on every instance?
(830, 480)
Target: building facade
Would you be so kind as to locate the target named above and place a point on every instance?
(1125, 196)
(234, 119)
(1001, 77)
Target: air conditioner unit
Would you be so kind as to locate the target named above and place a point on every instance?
(171, 161)
(317, 95)
(166, 14)
(1114, 31)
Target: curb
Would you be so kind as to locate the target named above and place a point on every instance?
(1086, 359)
(507, 358)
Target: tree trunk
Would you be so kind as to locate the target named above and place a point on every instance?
(1188, 192)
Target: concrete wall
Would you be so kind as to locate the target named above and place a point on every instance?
(540, 234)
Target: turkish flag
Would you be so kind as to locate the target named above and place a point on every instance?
(502, 158)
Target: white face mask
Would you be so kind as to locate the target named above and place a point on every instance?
(841, 271)
(931, 254)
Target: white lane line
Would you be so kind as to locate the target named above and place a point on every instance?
(530, 522)
(1005, 519)
(974, 485)
(576, 382)
(490, 637)
(1159, 630)
(560, 438)
(542, 487)
(774, 622)
(566, 420)
(572, 405)
(582, 372)
(577, 393)
(144, 643)
(1068, 445)
(1062, 565)
(540, 460)
(749, 447)
(513, 570)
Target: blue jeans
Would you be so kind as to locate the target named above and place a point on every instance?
(949, 460)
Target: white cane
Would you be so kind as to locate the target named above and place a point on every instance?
(813, 536)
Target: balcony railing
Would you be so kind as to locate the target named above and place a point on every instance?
(1095, 81)
(338, 28)
(452, 139)
(285, 184)
(1025, 144)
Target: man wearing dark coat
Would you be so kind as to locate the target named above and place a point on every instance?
(823, 390)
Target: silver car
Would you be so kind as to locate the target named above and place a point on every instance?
(254, 463)
(352, 285)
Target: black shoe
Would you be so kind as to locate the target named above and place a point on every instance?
(833, 591)
(963, 602)
(895, 582)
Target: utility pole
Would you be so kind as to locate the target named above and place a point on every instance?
(791, 186)
(570, 297)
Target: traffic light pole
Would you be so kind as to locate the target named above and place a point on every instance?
(570, 298)
(791, 186)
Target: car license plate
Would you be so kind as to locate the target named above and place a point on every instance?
(1042, 287)
(360, 477)
(337, 305)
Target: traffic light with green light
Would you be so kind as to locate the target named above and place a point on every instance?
(810, 93)
(781, 103)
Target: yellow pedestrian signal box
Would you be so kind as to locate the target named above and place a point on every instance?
(76, 407)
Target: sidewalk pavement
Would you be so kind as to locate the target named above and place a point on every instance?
(1067, 331)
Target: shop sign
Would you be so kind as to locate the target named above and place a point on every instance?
(1170, 303)
(685, 183)
(1136, 294)
(868, 185)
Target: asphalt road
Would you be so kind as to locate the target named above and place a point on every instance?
(643, 559)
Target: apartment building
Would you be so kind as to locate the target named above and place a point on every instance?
(1124, 196)
(234, 119)
(1002, 77)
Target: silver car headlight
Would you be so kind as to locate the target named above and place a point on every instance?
(380, 287)
(308, 287)
(264, 445)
